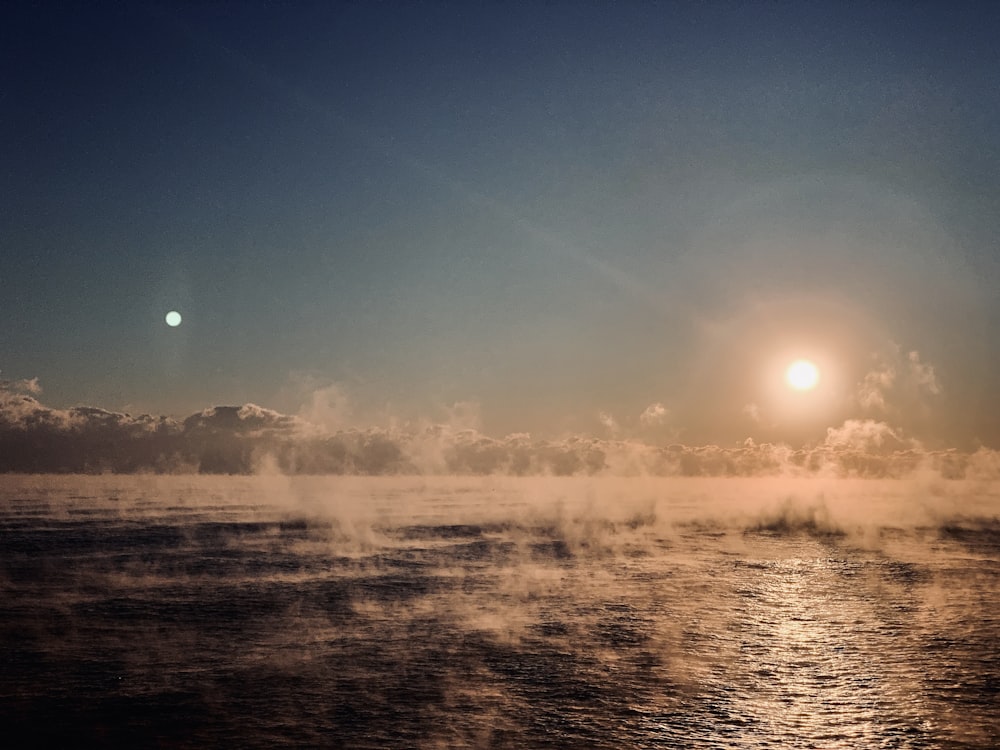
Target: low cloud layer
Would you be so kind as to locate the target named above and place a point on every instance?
(35, 438)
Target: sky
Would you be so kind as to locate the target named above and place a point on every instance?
(616, 219)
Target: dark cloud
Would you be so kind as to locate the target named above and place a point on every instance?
(36, 438)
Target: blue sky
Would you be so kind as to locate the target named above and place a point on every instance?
(552, 211)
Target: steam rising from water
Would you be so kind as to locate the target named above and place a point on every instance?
(501, 612)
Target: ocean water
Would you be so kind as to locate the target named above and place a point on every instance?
(495, 612)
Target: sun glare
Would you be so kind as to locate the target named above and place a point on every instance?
(802, 375)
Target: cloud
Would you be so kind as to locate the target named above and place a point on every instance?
(248, 419)
(25, 385)
(752, 411)
(464, 415)
(866, 435)
(35, 438)
(922, 374)
(325, 405)
(654, 414)
(897, 382)
(872, 389)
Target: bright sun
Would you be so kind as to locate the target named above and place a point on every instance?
(802, 375)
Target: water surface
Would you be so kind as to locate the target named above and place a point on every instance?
(444, 612)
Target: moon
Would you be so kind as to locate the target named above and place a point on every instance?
(173, 318)
(802, 375)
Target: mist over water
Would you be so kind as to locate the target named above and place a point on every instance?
(500, 612)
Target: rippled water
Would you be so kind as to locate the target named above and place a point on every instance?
(206, 612)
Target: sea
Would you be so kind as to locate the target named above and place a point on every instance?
(499, 612)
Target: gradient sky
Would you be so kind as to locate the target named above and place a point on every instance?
(556, 215)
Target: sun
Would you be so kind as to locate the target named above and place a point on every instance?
(802, 375)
